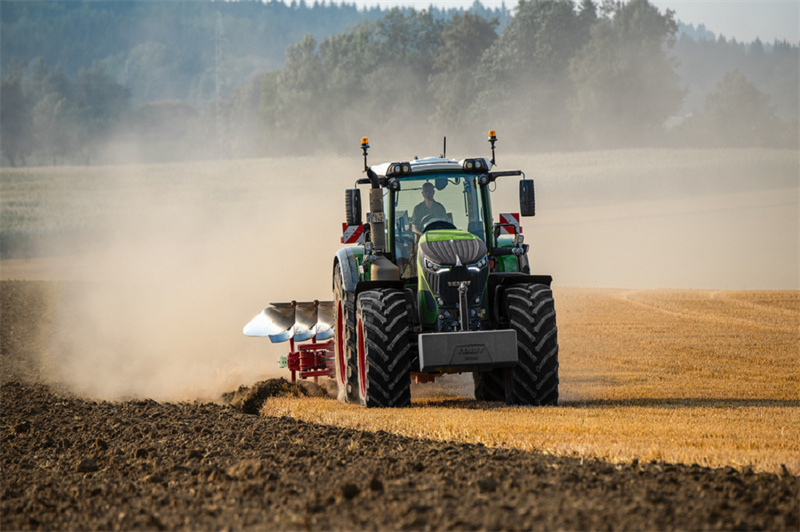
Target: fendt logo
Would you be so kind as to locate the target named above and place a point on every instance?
(469, 353)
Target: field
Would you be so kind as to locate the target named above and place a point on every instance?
(676, 284)
(73, 463)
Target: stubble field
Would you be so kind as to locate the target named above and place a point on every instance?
(705, 377)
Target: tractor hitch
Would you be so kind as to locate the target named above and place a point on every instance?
(311, 360)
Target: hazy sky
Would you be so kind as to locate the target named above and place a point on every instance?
(744, 19)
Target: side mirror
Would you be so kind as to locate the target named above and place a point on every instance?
(352, 206)
(527, 198)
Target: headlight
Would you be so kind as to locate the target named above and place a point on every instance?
(431, 265)
(480, 264)
(406, 168)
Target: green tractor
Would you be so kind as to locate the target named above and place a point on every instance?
(432, 287)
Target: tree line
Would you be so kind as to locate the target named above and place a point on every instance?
(558, 76)
(43, 112)
(166, 50)
(553, 76)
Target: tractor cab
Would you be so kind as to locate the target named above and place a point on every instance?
(443, 200)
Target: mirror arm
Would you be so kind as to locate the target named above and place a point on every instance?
(505, 173)
(490, 177)
(382, 181)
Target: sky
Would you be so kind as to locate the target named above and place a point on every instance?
(743, 20)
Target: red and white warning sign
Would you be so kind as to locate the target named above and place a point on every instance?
(509, 218)
(353, 234)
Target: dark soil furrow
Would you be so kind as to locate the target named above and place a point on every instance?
(74, 464)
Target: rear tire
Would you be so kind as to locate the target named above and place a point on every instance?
(382, 332)
(489, 385)
(344, 342)
(532, 314)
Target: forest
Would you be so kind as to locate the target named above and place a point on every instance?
(99, 82)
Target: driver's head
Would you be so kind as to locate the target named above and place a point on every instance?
(427, 191)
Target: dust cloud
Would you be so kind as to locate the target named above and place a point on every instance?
(197, 251)
(194, 251)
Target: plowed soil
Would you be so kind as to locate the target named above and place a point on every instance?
(73, 464)
(70, 463)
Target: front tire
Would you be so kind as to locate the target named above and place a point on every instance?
(532, 314)
(344, 342)
(382, 333)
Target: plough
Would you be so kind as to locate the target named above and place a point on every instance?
(310, 322)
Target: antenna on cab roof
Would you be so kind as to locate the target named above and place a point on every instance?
(444, 149)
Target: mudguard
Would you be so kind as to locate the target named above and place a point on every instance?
(348, 259)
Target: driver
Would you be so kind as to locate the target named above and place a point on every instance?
(428, 207)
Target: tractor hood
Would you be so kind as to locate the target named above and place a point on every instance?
(448, 247)
(449, 259)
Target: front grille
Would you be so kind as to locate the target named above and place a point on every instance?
(440, 287)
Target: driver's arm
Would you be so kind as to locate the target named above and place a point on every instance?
(416, 215)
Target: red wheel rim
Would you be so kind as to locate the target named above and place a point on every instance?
(340, 344)
(362, 360)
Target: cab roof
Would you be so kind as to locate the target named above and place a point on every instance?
(428, 164)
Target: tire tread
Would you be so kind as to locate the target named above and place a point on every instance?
(531, 313)
(384, 316)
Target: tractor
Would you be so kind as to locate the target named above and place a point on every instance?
(428, 286)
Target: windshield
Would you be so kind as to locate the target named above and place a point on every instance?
(451, 198)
